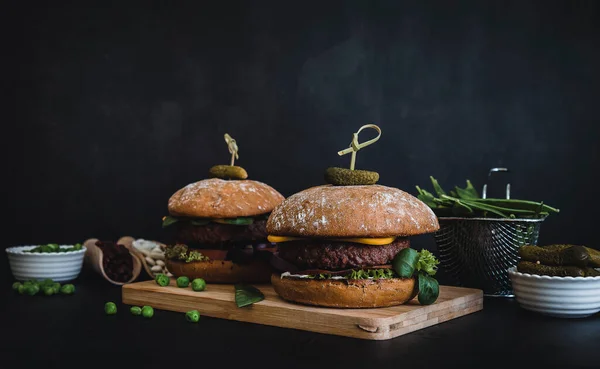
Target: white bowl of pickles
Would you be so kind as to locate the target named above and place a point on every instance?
(558, 280)
(52, 261)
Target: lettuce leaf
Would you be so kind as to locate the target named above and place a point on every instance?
(359, 274)
(427, 263)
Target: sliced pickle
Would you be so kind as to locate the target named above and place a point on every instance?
(346, 177)
(228, 172)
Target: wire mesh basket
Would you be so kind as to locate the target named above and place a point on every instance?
(477, 252)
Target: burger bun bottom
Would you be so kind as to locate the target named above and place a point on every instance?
(356, 293)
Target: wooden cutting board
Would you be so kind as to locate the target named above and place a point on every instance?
(373, 324)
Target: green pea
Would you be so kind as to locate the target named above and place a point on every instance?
(47, 282)
(198, 284)
(183, 282)
(16, 285)
(110, 308)
(56, 287)
(77, 246)
(31, 289)
(192, 316)
(67, 289)
(48, 290)
(147, 312)
(21, 289)
(32, 283)
(136, 310)
(162, 280)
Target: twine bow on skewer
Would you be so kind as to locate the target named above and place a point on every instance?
(355, 145)
(233, 148)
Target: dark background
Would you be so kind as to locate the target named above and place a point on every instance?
(113, 107)
(110, 107)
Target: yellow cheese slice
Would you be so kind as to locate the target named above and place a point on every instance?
(369, 241)
(366, 241)
(282, 238)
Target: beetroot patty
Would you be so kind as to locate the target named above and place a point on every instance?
(319, 254)
(217, 233)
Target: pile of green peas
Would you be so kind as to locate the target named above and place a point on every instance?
(47, 287)
(54, 248)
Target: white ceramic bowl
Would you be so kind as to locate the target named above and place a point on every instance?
(60, 267)
(564, 297)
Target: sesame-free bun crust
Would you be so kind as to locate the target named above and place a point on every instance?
(357, 293)
(222, 271)
(218, 198)
(351, 211)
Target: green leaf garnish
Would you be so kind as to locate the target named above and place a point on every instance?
(371, 273)
(429, 289)
(247, 295)
(182, 253)
(194, 255)
(408, 262)
(405, 262)
(382, 273)
(427, 263)
(168, 220)
(237, 221)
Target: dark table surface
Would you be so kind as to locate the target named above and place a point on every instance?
(69, 331)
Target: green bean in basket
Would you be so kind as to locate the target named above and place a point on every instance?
(466, 202)
(519, 205)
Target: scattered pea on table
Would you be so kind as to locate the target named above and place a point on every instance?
(136, 310)
(110, 308)
(198, 284)
(147, 312)
(162, 280)
(56, 287)
(67, 289)
(31, 288)
(192, 316)
(48, 291)
(183, 282)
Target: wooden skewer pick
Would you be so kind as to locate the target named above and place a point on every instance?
(233, 148)
(355, 145)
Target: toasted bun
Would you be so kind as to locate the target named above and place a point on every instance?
(359, 293)
(352, 211)
(218, 198)
(222, 271)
